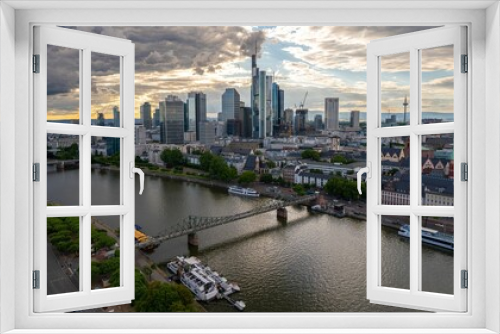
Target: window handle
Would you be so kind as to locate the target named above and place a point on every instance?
(133, 171)
(363, 170)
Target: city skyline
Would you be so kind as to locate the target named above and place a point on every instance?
(323, 61)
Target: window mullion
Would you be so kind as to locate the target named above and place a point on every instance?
(414, 170)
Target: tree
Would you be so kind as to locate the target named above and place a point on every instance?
(310, 154)
(205, 160)
(346, 189)
(266, 178)
(162, 297)
(270, 164)
(299, 189)
(247, 177)
(219, 169)
(341, 159)
(172, 157)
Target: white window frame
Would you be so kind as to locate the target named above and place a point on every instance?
(85, 43)
(412, 44)
(483, 314)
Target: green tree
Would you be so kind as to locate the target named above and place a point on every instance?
(247, 177)
(205, 160)
(299, 189)
(266, 178)
(219, 169)
(343, 188)
(310, 154)
(270, 164)
(172, 157)
(341, 159)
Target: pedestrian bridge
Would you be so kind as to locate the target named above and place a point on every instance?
(193, 224)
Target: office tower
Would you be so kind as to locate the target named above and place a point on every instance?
(332, 113)
(230, 105)
(190, 114)
(405, 106)
(233, 127)
(207, 132)
(156, 117)
(301, 121)
(288, 117)
(355, 119)
(100, 119)
(269, 106)
(172, 120)
(140, 134)
(116, 116)
(197, 101)
(281, 105)
(246, 126)
(318, 122)
(254, 99)
(262, 104)
(146, 116)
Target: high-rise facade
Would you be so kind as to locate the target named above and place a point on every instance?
(147, 122)
(355, 119)
(172, 120)
(332, 113)
(230, 105)
(190, 114)
(116, 117)
(254, 99)
(246, 126)
(156, 117)
(198, 102)
(301, 115)
(318, 122)
(262, 104)
(269, 106)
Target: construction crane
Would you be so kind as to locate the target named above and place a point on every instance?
(304, 101)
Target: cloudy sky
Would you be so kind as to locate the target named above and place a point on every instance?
(323, 61)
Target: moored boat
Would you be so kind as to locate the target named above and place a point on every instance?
(249, 192)
(430, 237)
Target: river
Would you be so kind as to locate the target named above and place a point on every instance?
(313, 263)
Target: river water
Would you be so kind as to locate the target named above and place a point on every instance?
(313, 263)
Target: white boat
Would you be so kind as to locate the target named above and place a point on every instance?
(203, 288)
(430, 237)
(235, 190)
(240, 305)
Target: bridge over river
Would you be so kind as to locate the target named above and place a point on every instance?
(194, 224)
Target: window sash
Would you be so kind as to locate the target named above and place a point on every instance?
(87, 43)
(412, 43)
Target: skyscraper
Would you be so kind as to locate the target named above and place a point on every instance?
(116, 116)
(146, 116)
(355, 119)
(278, 101)
(172, 120)
(254, 99)
(156, 117)
(405, 106)
(269, 106)
(262, 104)
(231, 107)
(301, 121)
(318, 122)
(332, 113)
(198, 102)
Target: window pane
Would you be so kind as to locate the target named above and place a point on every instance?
(395, 252)
(106, 161)
(437, 254)
(63, 258)
(437, 170)
(105, 248)
(395, 159)
(395, 89)
(63, 169)
(437, 85)
(63, 84)
(105, 90)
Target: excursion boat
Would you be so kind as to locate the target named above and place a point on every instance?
(203, 282)
(249, 192)
(430, 237)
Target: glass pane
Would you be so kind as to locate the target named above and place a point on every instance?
(437, 254)
(63, 84)
(437, 170)
(395, 89)
(105, 90)
(395, 252)
(437, 85)
(105, 248)
(63, 258)
(63, 169)
(105, 176)
(395, 160)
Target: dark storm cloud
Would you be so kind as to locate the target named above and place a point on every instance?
(161, 49)
(63, 69)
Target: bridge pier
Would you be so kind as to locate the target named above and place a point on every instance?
(282, 214)
(193, 239)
